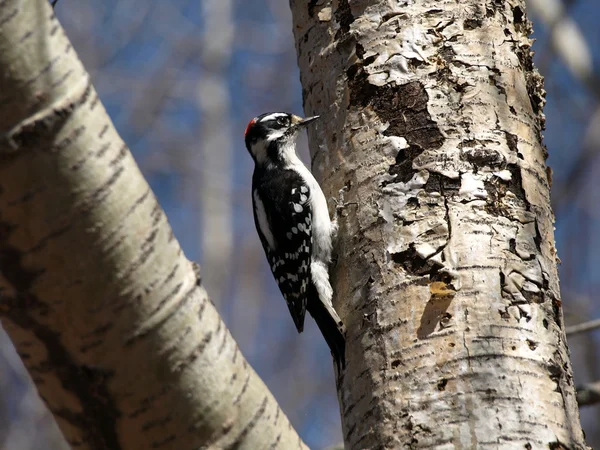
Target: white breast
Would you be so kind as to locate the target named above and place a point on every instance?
(321, 223)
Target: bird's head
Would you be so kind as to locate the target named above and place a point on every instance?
(270, 134)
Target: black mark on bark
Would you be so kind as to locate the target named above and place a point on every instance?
(511, 141)
(196, 268)
(403, 106)
(415, 264)
(471, 24)
(497, 189)
(40, 130)
(519, 20)
(483, 157)
(494, 78)
(440, 183)
(556, 309)
(557, 445)
(250, 425)
(343, 16)
(311, 7)
(535, 86)
(532, 344)
(97, 420)
(555, 373)
(402, 168)
(11, 264)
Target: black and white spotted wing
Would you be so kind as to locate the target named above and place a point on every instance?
(283, 219)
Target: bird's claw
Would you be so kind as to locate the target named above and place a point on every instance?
(340, 204)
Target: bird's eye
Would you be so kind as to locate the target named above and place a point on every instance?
(281, 121)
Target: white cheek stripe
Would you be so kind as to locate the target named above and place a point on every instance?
(275, 135)
(263, 223)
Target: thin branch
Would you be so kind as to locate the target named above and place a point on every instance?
(588, 394)
(570, 45)
(582, 327)
(567, 40)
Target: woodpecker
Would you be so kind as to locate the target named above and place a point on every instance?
(292, 220)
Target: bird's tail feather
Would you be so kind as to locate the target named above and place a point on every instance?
(331, 327)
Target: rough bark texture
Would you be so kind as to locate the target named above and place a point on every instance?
(446, 276)
(108, 315)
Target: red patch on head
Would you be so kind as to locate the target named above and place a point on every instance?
(252, 122)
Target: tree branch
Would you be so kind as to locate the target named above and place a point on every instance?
(110, 318)
(588, 394)
(582, 327)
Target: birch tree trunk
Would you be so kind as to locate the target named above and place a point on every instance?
(446, 275)
(110, 318)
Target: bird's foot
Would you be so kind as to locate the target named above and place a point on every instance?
(340, 204)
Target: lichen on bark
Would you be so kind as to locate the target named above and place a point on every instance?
(446, 275)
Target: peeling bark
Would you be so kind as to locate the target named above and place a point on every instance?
(446, 276)
(110, 318)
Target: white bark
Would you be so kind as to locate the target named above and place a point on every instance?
(446, 277)
(110, 318)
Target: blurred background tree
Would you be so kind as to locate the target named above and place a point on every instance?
(181, 79)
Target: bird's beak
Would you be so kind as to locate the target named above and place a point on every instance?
(299, 122)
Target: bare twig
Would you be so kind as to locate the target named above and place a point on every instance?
(588, 394)
(567, 40)
(570, 45)
(583, 327)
